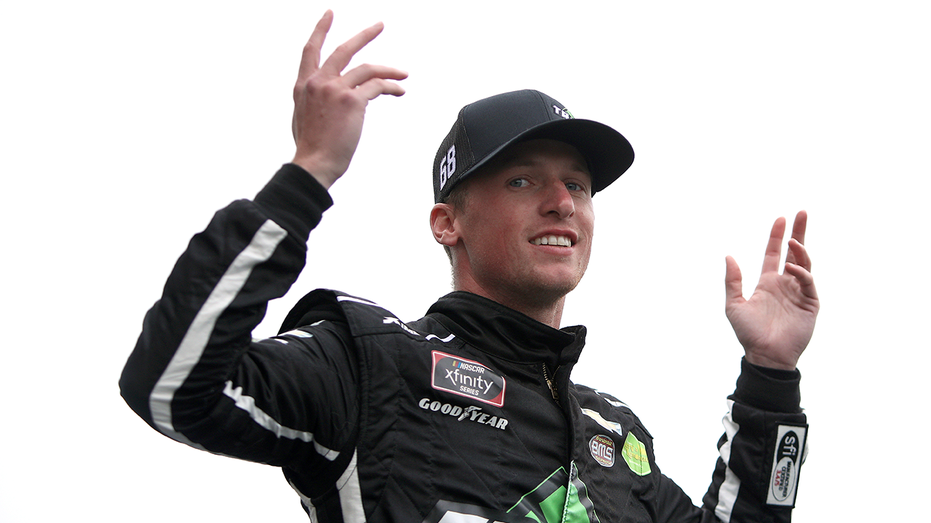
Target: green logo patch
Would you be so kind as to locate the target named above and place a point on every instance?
(635, 454)
(561, 498)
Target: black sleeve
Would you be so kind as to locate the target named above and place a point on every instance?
(761, 451)
(197, 376)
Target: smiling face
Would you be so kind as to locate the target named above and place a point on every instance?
(523, 237)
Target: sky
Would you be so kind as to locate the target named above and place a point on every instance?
(125, 125)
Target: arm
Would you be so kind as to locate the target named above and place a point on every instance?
(195, 373)
(742, 489)
(765, 429)
(752, 481)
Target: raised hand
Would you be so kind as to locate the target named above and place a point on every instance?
(776, 323)
(329, 107)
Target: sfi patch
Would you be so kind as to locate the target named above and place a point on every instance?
(467, 378)
(787, 459)
(602, 449)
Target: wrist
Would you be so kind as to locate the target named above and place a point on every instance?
(321, 173)
(293, 200)
(767, 362)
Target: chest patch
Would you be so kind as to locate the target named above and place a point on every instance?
(602, 448)
(635, 454)
(467, 378)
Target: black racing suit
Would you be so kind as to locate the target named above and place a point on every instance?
(467, 414)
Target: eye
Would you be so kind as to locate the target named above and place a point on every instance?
(572, 186)
(519, 182)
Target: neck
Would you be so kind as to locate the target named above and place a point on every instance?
(544, 309)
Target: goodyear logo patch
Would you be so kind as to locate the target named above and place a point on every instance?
(787, 459)
(635, 454)
(467, 378)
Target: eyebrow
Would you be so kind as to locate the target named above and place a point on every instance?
(511, 160)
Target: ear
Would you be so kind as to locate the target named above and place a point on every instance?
(443, 223)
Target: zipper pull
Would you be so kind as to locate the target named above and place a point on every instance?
(550, 384)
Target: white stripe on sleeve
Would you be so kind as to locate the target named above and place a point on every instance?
(350, 493)
(727, 493)
(247, 403)
(192, 346)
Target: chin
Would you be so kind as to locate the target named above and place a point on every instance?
(554, 289)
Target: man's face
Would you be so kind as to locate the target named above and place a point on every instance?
(527, 224)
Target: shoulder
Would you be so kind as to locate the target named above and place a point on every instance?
(361, 316)
(315, 306)
(593, 398)
(331, 305)
(606, 409)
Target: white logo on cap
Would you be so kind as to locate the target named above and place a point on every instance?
(447, 166)
(562, 112)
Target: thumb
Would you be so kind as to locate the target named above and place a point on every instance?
(733, 282)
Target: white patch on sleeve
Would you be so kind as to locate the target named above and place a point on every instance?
(787, 460)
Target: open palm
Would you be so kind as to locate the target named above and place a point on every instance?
(776, 323)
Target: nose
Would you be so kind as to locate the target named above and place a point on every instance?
(558, 200)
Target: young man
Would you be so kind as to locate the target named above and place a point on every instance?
(467, 414)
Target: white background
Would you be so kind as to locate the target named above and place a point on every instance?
(124, 125)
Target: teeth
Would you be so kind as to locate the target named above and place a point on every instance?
(561, 241)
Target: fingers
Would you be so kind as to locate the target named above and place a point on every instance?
(310, 59)
(798, 228)
(733, 281)
(373, 80)
(805, 280)
(797, 253)
(377, 87)
(774, 246)
(344, 53)
(329, 107)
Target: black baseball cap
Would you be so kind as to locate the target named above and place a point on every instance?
(486, 127)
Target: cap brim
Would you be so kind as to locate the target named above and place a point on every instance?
(606, 151)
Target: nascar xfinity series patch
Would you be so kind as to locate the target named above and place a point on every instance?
(467, 378)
